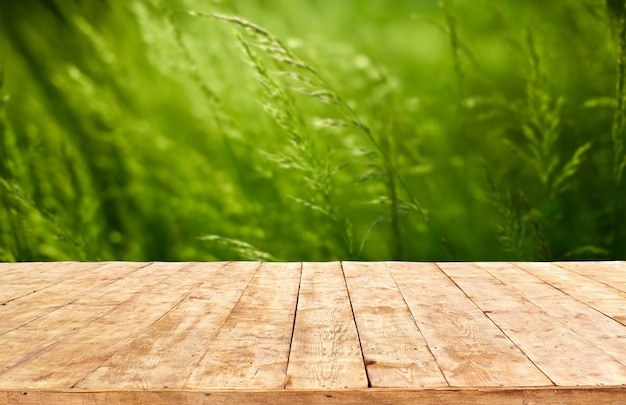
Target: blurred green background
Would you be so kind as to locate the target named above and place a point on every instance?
(369, 130)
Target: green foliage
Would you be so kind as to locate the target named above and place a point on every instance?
(194, 130)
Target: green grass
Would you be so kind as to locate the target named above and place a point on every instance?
(301, 130)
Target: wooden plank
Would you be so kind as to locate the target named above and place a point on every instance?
(566, 279)
(609, 273)
(167, 352)
(598, 295)
(63, 364)
(394, 350)
(11, 272)
(126, 334)
(89, 277)
(252, 348)
(325, 349)
(564, 356)
(21, 344)
(598, 329)
(23, 279)
(469, 348)
(504, 396)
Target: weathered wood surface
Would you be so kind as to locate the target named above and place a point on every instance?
(325, 349)
(348, 332)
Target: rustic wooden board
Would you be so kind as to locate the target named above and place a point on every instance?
(69, 360)
(610, 273)
(573, 283)
(567, 358)
(251, 350)
(22, 279)
(21, 344)
(395, 352)
(166, 353)
(470, 350)
(66, 289)
(424, 396)
(313, 333)
(325, 349)
(600, 330)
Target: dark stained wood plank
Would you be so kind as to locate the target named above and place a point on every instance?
(325, 348)
(469, 348)
(251, 350)
(395, 352)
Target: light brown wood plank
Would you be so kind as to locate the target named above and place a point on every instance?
(607, 295)
(504, 396)
(89, 277)
(469, 348)
(609, 273)
(10, 272)
(20, 344)
(167, 352)
(252, 348)
(598, 329)
(597, 294)
(394, 350)
(24, 279)
(63, 364)
(101, 333)
(325, 349)
(565, 357)
(582, 287)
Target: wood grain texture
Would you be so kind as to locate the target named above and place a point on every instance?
(21, 344)
(22, 279)
(610, 273)
(320, 333)
(600, 330)
(469, 348)
(251, 350)
(494, 396)
(166, 353)
(578, 286)
(63, 364)
(325, 349)
(394, 350)
(567, 358)
(63, 291)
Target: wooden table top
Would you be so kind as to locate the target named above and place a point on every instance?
(339, 332)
